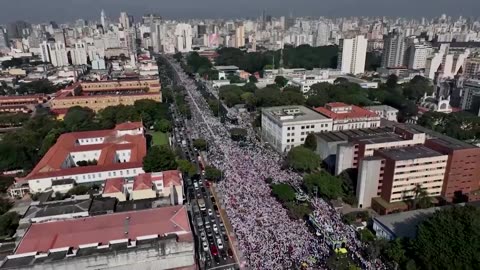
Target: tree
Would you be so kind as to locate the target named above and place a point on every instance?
(5, 183)
(281, 81)
(79, 119)
(159, 158)
(453, 233)
(78, 190)
(283, 192)
(212, 173)
(186, 167)
(9, 223)
(392, 81)
(252, 79)
(327, 185)
(238, 134)
(420, 199)
(200, 144)
(5, 205)
(395, 252)
(302, 159)
(298, 211)
(366, 236)
(163, 126)
(311, 142)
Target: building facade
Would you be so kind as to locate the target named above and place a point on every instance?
(352, 55)
(346, 116)
(285, 127)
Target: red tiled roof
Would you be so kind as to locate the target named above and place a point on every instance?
(169, 178)
(142, 181)
(51, 163)
(172, 177)
(42, 237)
(355, 112)
(113, 185)
(129, 126)
(112, 96)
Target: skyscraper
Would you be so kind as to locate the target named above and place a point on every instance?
(3, 40)
(103, 19)
(240, 36)
(351, 58)
(124, 20)
(183, 32)
(323, 34)
(394, 50)
(54, 52)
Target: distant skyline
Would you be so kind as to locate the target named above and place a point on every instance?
(61, 11)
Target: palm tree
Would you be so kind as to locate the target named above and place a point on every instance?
(421, 197)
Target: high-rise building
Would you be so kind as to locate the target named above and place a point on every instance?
(418, 55)
(79, 54)
(240, 36)
(183, 32)
(393, 50)
(3, 40)
(323, 34)
(103, 19)
(54, 52)
(353, 51)
(125, 20)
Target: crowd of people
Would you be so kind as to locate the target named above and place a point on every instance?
(267, 237)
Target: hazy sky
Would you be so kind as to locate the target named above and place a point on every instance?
(69, 10)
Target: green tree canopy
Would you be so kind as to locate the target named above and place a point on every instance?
(200, 144)
(454, 234)
(327, 185)
(311, 142)
(281, 81)
(163, 125)
(159, 158)
(212, 173)
(80, 119)
(283, 192)
(186, 167)
(303, 159)
(252, 79)
(9, 223)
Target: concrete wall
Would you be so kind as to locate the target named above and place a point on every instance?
(345, 157)
(368, 179)
(170, 255)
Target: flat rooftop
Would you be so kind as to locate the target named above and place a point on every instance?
(57, 208)
(439, 138)
(412, 152)
(42, 237)
(381, 107)
(289, 114)
(225, 68)
(355, 134)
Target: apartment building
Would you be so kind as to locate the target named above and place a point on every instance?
(285, 127)
(391, 175)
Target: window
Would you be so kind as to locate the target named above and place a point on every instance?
(288, 140)
(302, 139)
(303, 127)
(303, 133)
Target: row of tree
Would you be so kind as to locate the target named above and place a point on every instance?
(303, 56)
(285, 194)
(459, 125)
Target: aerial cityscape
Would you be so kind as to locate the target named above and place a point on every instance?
(181, 139)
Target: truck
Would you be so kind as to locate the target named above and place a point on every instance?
(201, 204)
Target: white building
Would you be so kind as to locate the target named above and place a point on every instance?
(285, 127)
(323, 34)
(91, 156)
(55, 53)
(384, 111)
(418, 56)
(346, 116)
(351, 58)
(471, 88)
(446, 61)
(183, 33)
(79, 54)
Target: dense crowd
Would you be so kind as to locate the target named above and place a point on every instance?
(267, 237)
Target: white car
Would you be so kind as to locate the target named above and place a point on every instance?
(210, 212)
(205, 246)
(215, 228)
(203, 236)
(219, 244)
